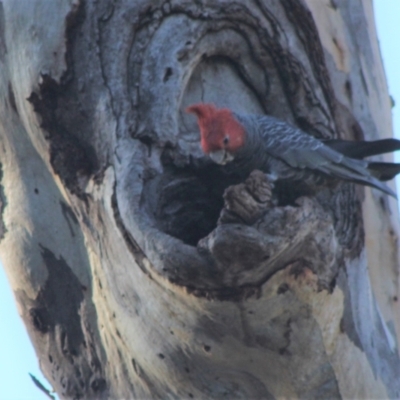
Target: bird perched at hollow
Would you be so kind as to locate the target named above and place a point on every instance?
(241, 142)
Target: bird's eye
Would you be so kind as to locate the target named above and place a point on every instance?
(226, 140)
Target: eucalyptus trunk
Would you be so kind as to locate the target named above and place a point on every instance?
(132, 275)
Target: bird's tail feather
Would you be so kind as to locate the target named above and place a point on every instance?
(378, 185)
(362, 149)
(369, 179)
(384, 171)
(378, 171)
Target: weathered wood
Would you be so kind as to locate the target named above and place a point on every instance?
(135, 275)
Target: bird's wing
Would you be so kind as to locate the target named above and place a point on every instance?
(300, 150)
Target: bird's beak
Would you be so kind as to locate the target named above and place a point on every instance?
(221, 157)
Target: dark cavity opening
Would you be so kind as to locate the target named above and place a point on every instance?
(168, 74)
(186, 202)
(186, 206)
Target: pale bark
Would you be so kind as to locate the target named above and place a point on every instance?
(126, 283)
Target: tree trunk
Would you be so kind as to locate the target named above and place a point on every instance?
(133, 278)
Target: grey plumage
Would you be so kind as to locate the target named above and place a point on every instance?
(290, 154)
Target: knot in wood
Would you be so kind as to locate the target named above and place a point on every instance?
(248, 201)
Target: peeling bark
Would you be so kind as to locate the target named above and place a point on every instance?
(140, 269)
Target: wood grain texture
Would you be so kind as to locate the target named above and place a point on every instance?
(140, 269)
